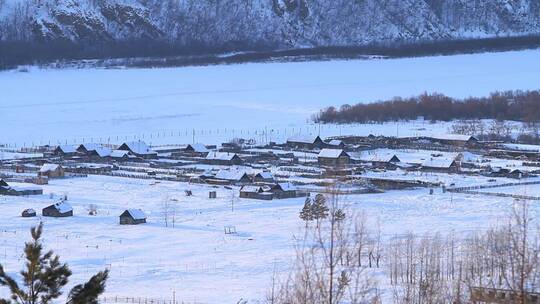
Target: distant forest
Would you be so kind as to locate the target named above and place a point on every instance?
(152, 53)
(509, 105)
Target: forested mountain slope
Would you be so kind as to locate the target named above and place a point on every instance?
(219, 25)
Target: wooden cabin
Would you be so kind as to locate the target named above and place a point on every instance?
(65, 150)
(305, 142)
(256, 192)
(284, 190)
(333, 157)
(454, 140)
(263, 177)
(223, 158)
(232, 176)
(197, 149)
(440, 165)
(132, 217)
(139, 149)
(60, 209)
(51, 171)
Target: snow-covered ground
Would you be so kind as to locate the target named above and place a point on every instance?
(215, 103)
(195, 259)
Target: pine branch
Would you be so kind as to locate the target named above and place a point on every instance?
(89, 292)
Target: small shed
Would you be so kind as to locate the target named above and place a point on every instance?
(333, 157)
(51, 171)
(516, 173)
(132, 217)
(29, 213)
(60, 209)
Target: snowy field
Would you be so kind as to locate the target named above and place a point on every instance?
(216, 103)
(195, 259)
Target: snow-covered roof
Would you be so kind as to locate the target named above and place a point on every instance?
(103, 151)
(469, 157)
(48, 168)
(335, 142)
(251, 188)
(68, 148)
(220, 156)
(198, 147)
(139, 147)
(63, 207)
(136, 214)
(438, 163)
(265, 175)
(90, 146)
(331, 153)
(305, 139)
(377, 157)
(119, 153)
(286, 186)
(232, 175)
(457, 137)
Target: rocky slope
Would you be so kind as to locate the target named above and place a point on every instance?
(244, 24)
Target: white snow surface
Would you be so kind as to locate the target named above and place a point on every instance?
(195, 259)
(215, 103)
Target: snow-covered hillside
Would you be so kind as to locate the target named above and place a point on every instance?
(284, 23)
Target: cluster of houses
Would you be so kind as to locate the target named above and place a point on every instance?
(126, 151)
(243, 164)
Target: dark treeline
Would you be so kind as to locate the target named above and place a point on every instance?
(167, 53)
(509, 105)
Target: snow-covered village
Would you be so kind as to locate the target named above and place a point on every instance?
(269, 152)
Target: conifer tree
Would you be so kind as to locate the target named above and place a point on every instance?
(319, 208)
(44, 277)
(307, 211)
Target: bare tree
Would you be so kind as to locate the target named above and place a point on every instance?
(328, 267)
(436, 269)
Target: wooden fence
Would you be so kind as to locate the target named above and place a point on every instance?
(141, 300)
(460, 189)
(474, 190)
(501, 296)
